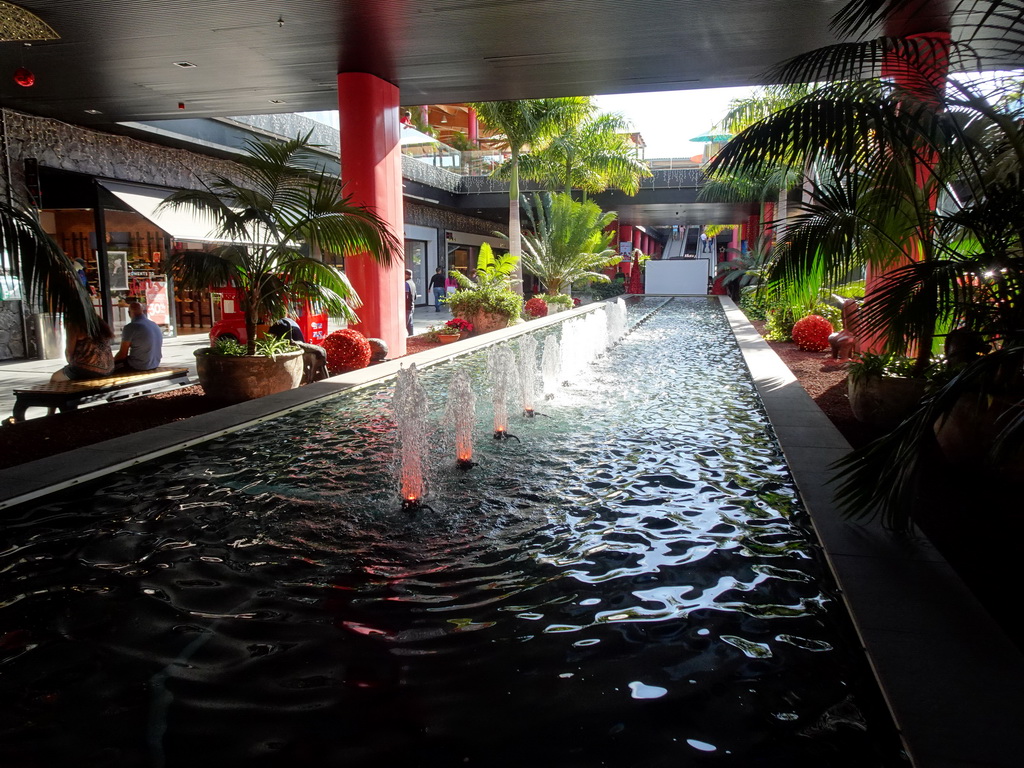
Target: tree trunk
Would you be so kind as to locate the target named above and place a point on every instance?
(515, 245)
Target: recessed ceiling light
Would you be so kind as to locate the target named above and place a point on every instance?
(185, 64)
(278, 101)
(93, 112)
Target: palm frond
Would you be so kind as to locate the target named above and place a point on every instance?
(50, 278)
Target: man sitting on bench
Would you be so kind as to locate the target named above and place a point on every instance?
(141, 342)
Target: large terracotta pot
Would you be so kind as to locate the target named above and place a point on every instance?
(883, 401)
(235, 379)
(483, 322)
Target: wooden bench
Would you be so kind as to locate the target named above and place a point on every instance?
(68, 395)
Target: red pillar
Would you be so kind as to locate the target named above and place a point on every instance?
(626, 235)
(371, 169)
(474, 126)
(924, 76)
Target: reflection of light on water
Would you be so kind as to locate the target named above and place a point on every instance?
(643, 691)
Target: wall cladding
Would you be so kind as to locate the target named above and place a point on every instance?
(442, 219)
(12, 341)
(73, 148)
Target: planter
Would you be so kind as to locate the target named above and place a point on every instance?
(483, 322)
(883, 401)
(448, 338)
(236, 379)
(967, 433)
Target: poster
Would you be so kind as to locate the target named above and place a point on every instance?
(117, 270)
(156, 301)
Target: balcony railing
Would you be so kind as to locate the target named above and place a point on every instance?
(481, 162)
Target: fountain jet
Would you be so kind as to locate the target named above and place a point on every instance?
(502, 366)
(528, 373)
(460, 412)
(410, 408)
(550, 366)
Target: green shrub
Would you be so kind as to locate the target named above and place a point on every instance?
(560, 300)
(228, 347)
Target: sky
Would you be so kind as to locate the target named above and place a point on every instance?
(668, 119)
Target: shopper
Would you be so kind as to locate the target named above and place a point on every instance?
(410, 300)
(89, 355)
(437, 283)
(141, 342)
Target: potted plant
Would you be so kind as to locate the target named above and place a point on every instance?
(882, 389)
(488, 302)
(282, 213)
(227, 372)
(566, 243)
(459, 327)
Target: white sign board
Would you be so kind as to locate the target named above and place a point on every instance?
(677, 277)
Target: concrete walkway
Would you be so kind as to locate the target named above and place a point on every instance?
(178, 352)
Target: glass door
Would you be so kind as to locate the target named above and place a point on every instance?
(416, 262)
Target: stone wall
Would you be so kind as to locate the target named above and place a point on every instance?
(12, 340)
(69, 147)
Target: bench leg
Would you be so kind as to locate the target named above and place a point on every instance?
(18, 413)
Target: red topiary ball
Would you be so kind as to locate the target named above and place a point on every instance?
(812, 332)
(347, 350)
(536, 307)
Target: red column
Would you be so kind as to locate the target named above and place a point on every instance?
(474, 126)
(924, 76)
(371, 169)
(626, 234)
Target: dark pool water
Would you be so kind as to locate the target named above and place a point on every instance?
(632, 584)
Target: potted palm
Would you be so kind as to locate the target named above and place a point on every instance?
(566, 243)
(277, 218)
(488, 303)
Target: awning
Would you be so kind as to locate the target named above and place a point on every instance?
(182, 223)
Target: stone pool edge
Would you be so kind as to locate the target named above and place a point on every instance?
(952, 680)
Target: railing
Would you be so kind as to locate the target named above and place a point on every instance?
(481, 162)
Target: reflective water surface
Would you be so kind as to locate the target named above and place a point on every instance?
(631, 584)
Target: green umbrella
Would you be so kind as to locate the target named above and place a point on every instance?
(708, 138)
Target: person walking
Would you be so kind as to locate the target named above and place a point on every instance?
(437, 283)
(410, 300)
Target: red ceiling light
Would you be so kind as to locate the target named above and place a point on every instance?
(24, 77)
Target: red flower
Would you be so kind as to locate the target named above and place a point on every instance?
(812, 332)
(575, 301)
(347, 350)
(458, 324)
(536, 307)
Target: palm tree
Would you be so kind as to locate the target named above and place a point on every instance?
(50, 278)
(522, 124)
(282, 209)
(568, 241)
(591, 155)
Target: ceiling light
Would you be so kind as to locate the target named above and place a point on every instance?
(93, 112)
(278, 101)
(185, 64)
